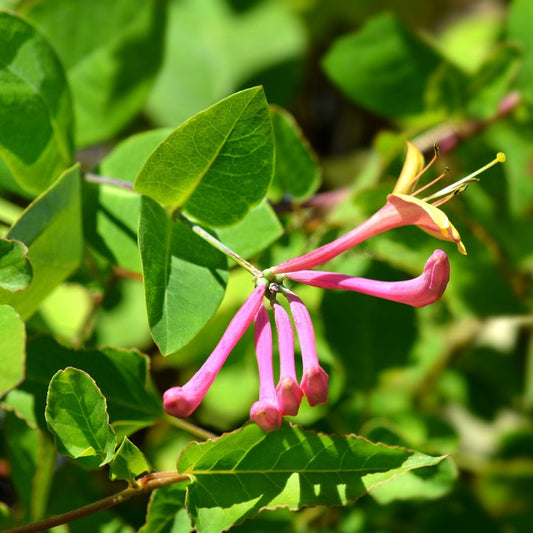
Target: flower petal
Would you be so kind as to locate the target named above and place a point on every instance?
(413, 164)
(314, 382)
(288, 390)
(182, 401)
(418, 292)
(427, 217)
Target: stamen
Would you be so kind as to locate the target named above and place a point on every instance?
(431, 183)
(460, 186)
(425, 169)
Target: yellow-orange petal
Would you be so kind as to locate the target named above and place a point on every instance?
(413, 164)
(427, 217)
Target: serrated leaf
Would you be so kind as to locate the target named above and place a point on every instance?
(15, 268)
(218, 164)
(35, 106)
(297, 174)
(122, 376)
(76, 413)
(12, 348)
(51, 229)
(111, 59)
(128, 462)
(184, 277)
(166, 511)
(383, 66)
(241, 473)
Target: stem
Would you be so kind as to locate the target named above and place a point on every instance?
(145, 484)
(213, 241)
(190, 428)
(95, 178)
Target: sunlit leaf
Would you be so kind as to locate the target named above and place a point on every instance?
(15, 269)
(121, 375)
(35, 106)
(218, 164)
(111, 59)
(128, 462)
(76, 413)
(166, 511)
(51, 229)
(184, 277)
(383, 66)
(297, 175)
(241, 473)
(12, 348)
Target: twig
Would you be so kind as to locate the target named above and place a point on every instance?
(96, 178)
(145, 484)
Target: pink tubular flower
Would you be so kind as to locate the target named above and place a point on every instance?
(182, 401)
(402, 208)
(418, 292)
(288, 391)
(314, 382)
(265, 412)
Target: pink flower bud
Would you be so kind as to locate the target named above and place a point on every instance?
(182, 401)
(315, 385)
(418, 292)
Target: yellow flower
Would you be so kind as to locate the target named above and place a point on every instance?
(424, 212)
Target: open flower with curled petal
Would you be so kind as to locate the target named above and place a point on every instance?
(403, 208)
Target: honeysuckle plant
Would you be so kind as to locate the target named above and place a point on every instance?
(155, 210)
(402, 208)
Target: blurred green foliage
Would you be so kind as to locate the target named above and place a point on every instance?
(356, 80)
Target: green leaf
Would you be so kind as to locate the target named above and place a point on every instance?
(493, 82)
(212, 50)
(51, 229)
(166, 511)
(217, 165)
(111, 59)
(76, 413)
(128, 463)
(258, 230)
(297, 174)
(111, 213)
(15, 268)
(35, 106)
(241, 473)
(184, 277)
(383, 66)
(32, 459)
(122, 375)
(519, 29)
(12, 348)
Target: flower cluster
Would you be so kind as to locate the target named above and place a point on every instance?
(402, 208)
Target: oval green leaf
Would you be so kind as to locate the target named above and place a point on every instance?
(218, 164)
(128, 463)
(241, 473)
(15, 268)
(35, 106)
(297, 173)
(184, 277)
(76, 413)
(12, 348)
(383, 66)
(51, 229)
(111, 59)
(111, 214)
